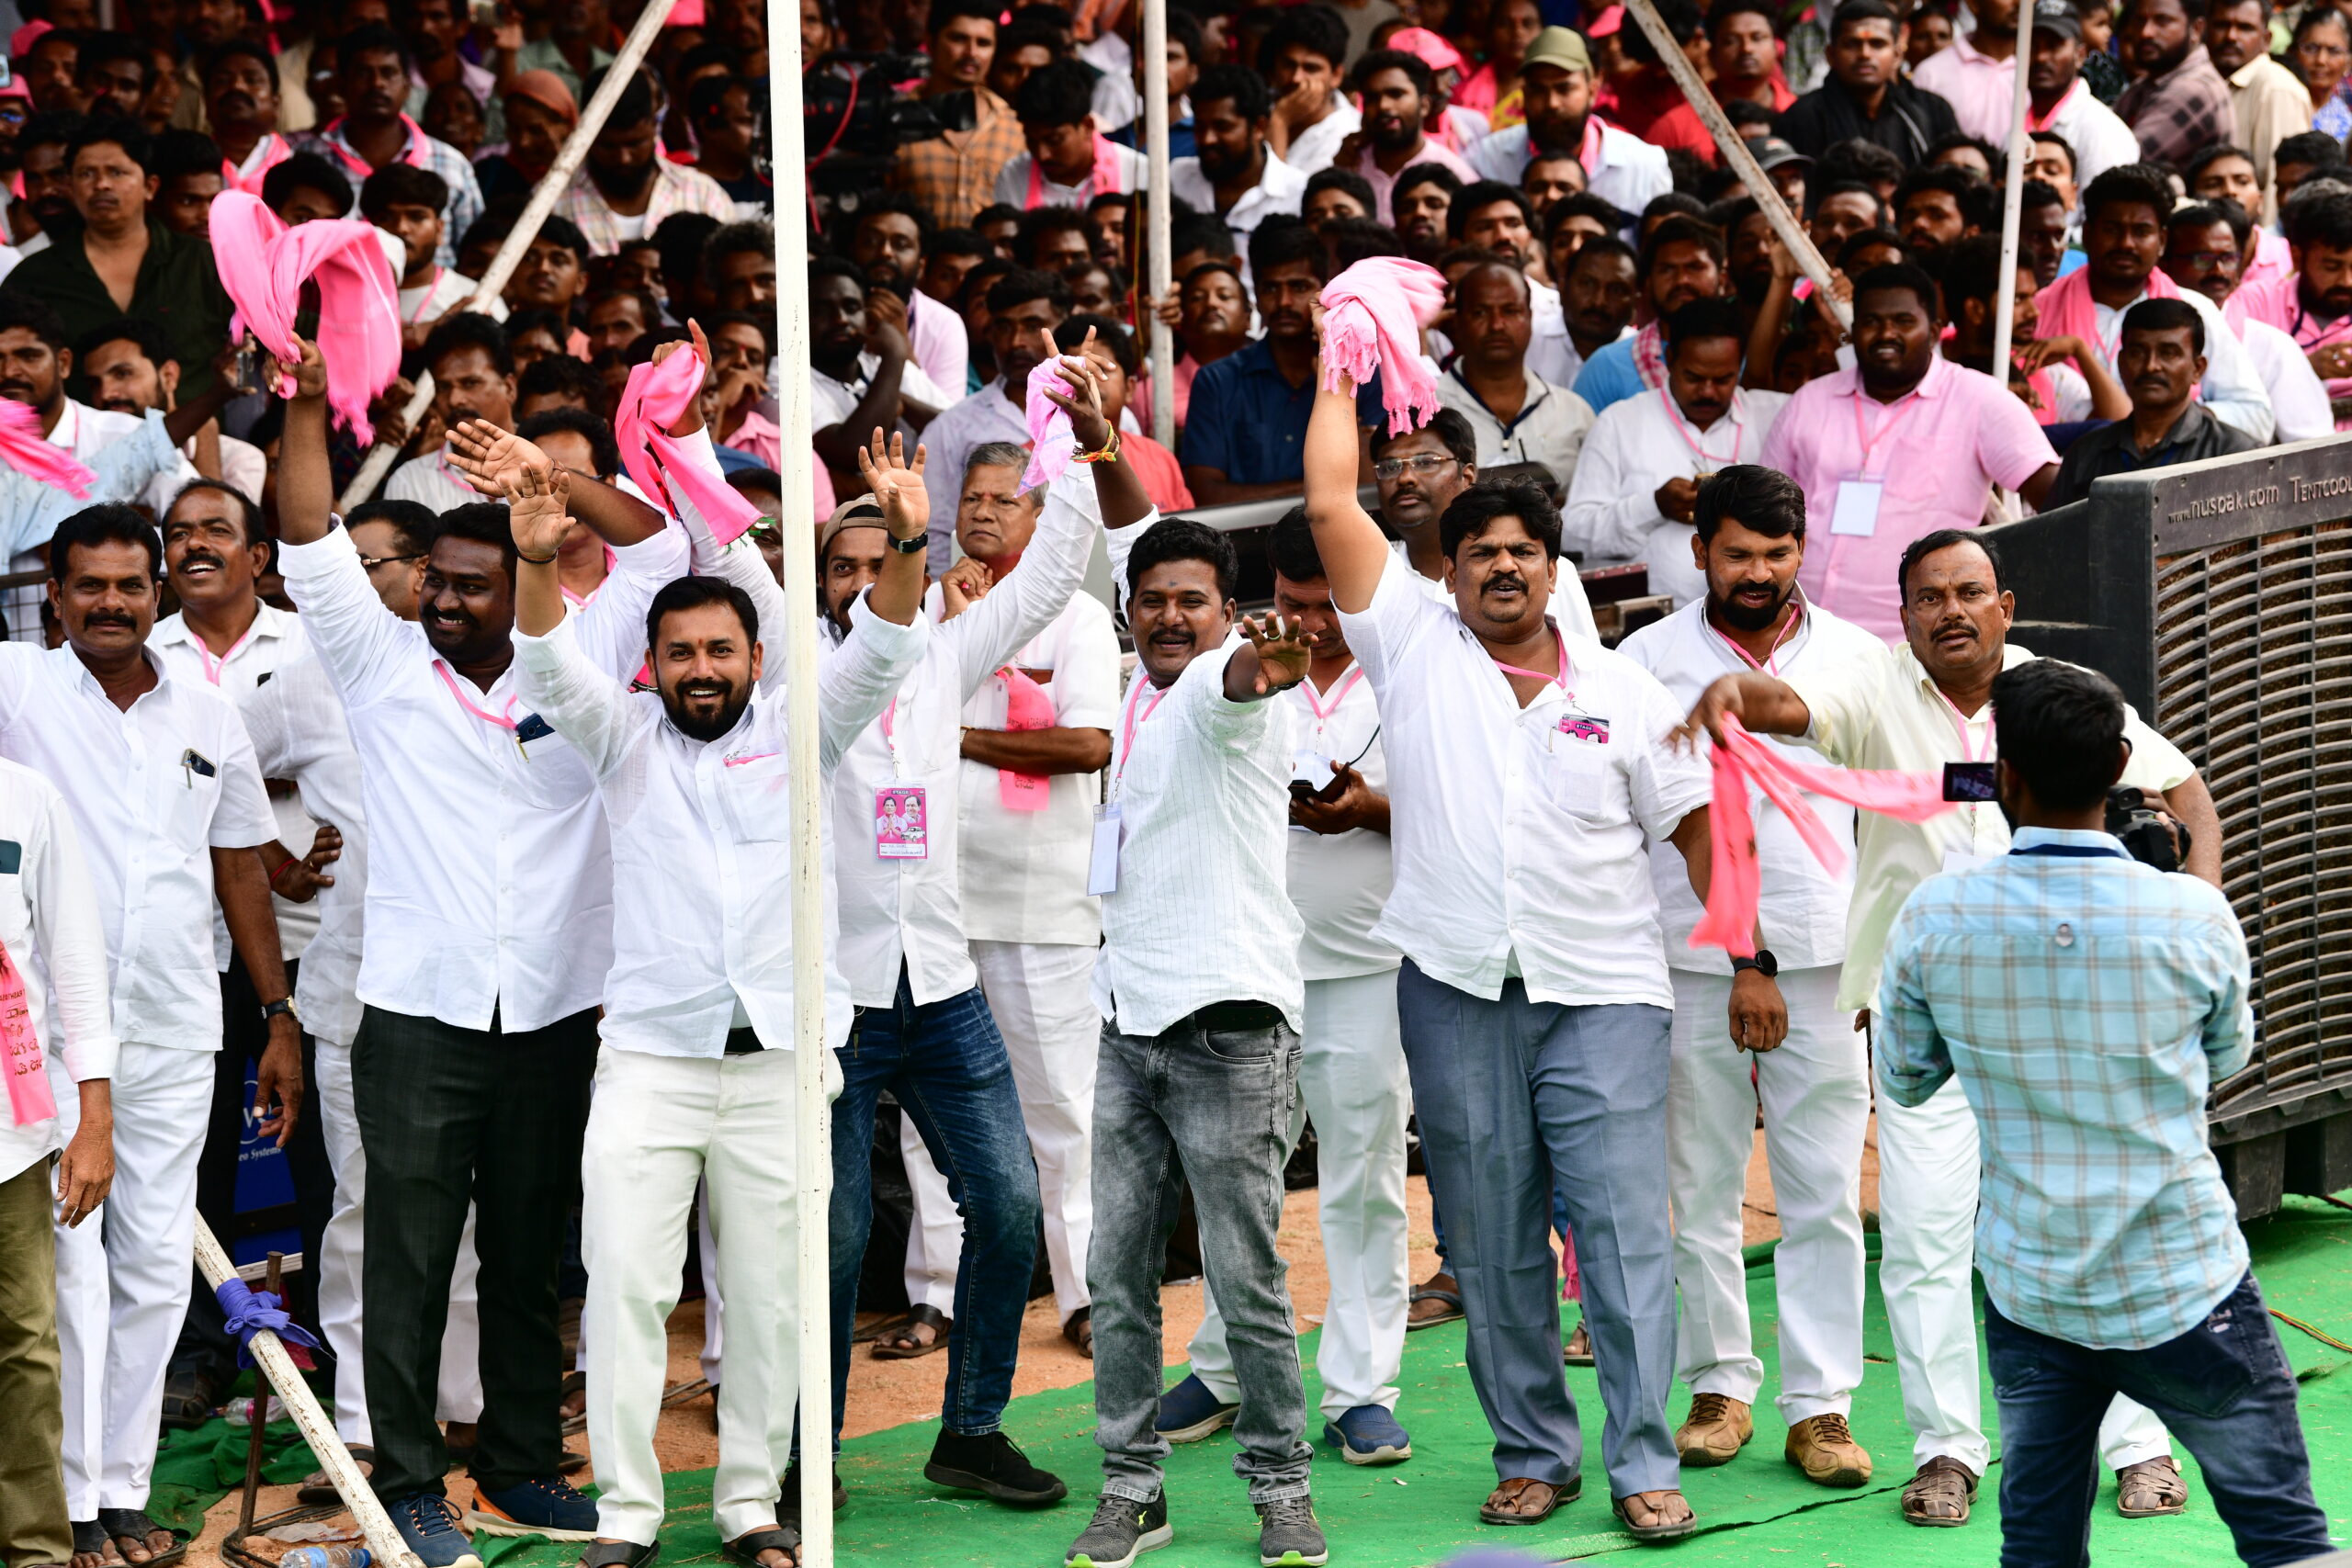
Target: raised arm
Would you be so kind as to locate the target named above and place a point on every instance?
(1273, 659)
(585, 704)
(906, 509)
(305, 480)
(1354, 550)
(1117, 486)
(489, 456)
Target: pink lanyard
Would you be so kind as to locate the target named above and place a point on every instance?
(1771, 662)
(1127, 732)
(1588, 152)
(1674, 417)
(1867, 444)
(1960, 728)
(413, 154)
(466, 703)
(1323, 712)
(423, 301)
(2042, 121)
(1560, 680)
(213, 667)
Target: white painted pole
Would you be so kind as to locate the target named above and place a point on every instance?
(813, 1158)
(1736, 154)
(317, 1429)
(2012, 201)
(1155, 133)
(527, 227)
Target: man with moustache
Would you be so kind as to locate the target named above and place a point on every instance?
(625, 188)
(1598, 284)
(45, 207)
(482, 969)
(1918, 708)
(2160, 360)
(1681, 261)
(1518, 416)
(2312, 304)
(1535, 1005)
(2208, 245)
(2063, 103)
(1556, 84)
(473, 379)
(1866, 97)
(1235, 173)
(130, 370)
(2179, 103)
(1399, 94)
(372, 73)
(890, 235)
(1636, 485)
(1814, 1089)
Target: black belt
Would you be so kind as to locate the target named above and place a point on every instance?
(1227, 1018)
(742, 1041)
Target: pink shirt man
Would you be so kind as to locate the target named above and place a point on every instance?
(1936, 453)
(1980, 88)
(1381, 183)
(2278, 300)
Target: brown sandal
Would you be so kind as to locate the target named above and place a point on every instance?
(1939, 1497)
(2151, 1489)
(1079, 1331)
(1518, 1486)
(1444, 1297)
(904, 1344)
(1662, 1527)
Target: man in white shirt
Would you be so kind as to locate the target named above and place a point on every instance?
(1534, 999)
(1236, 174)
(1557, 83)
(488, 899)
(2062, 102)
(1068, 161)
(1919, 708)
(406, 203)
(172, 832)
(1637, 480)
(1305, 58)
(1519, 417)
(1022, 304)
(696, 1083)
(1035, 738)
(473, 378)
(891, 234)
(130, 370)
(2207, 247)
(49, 929)
(1351, 1078)
(862, 369)
(1815, 1089)
(1202, 1002)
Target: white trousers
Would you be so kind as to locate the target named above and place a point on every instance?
(1926, 1200)
(1816, 1099)
(341, 1250)
(1353, 1084)
(658, 1125)
(123, 1277)
(1040, 995)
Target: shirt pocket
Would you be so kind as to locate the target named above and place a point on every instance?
(1578, 778)
(191, 799)
(757, 795)
(552, 776)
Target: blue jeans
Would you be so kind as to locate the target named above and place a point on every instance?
(2224, 1389)
(944, 1064)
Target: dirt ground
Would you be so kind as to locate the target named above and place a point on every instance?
(887, 1394)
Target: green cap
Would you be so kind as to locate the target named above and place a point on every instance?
(1561, 46)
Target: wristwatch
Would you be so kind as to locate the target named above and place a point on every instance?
(913, 547)
(1764, 964)
(282, 1007)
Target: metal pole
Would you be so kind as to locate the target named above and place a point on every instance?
(2012, 200)
(526, 226)
(813, 1158)
(1734, 151)
(1155, 139)
(383, 1540)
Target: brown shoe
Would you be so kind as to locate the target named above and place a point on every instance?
(1824, 1448)
(1716, 1430)
(2151, 1489)
(1938, 1496)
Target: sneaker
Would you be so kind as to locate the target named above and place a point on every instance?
(992, 1465)
(545, 1505)
(428, 1525)
(1716, 1430)
(1189, 1412)
(1121, 1530)
(1824, 1448)
(1288, 1536)
(1369, 1435)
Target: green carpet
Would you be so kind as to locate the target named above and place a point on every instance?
(1752, 1511)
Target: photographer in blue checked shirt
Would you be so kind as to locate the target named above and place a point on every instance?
(2087, 1003)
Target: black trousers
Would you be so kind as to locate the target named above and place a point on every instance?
(449, 1116)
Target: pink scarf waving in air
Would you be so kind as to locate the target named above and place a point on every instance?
(1737, 884)
(264, 265)
(1052, 442)
(29, 452)
(1373, 314)
(655, 398)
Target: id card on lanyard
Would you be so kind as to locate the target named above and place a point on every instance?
(1103, 858)
(1860, 492)
(901, 811)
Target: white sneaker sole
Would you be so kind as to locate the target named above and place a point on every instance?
(1201, 1431)
(1150, 1541)
(488, 1523)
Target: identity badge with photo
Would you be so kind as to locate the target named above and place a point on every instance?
(901, 823)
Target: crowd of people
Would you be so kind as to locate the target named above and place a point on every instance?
(474, 893)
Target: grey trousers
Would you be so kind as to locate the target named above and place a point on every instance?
(1508, 1092)
(1212, 1107)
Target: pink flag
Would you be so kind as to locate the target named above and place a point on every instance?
(1026, 706)
(28, 1097)
(655, 398)
(264, 264)
(27, 450)
(1373, 314)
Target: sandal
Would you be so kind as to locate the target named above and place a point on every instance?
(617, 1554)
(1079, 1331)
(2151, 1489)
(1441, 1288)
(1939, 1497)
(1673, 1529)
(788, 1497)
(90, 1539)
(746, 1549)
(573, 1383)
(1578, 1351)
(128, 1528)
(904, 1344)
(1565, 1492)
(189, 1401)
(318, 1492)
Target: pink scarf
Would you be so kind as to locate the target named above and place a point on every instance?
(275, 151)
(1052, 442)
(1026, 706)
(2067, 309)
(28, 1097)
(1738, 884)
(262, 265)
(412, 152)
(1373, 314)
(28, 451)
(1103, 178)
(655, 397)
(1649, 356)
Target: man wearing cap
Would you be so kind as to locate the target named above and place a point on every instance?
(540, 115)
(1866, 97)
(2062, 104)
(1555, 81)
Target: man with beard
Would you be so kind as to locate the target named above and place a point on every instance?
(1234, 173)
(1025, 306)
(473, 378)
(1815, 1089)
(1534, 998)
(111, 74)
(1842, 210)
(2206, 247)
(1866, 97)
(2062, 104)
(1517, 415)
(540, 115)
(1636, 488)
(1932, 210)
(1421, 200)
(862, 374)
(2268, 103)
(2179, 103)
(130, 370)
(435, 30)
(1397, 89)
(626, 189)
(697, 1082)
(2160, 360)
(45, 209)
(1556, 81)
(888, 234)
(1904, 444)
(2312, 304)
(2123, 234)
(1598, 284)
(483, 968)
(171, 832)
(2062, 380)
(1918, 708)
(372, 75)
(1681, 261)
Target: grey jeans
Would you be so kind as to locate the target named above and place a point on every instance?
(1208, 1104)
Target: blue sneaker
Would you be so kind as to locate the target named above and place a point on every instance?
(547, 1505)
(1189, 1412)
(428, 1526)
(1369, 1435)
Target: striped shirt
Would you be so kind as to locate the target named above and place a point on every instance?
(2087, 1003)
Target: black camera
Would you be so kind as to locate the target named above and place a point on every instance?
(2152, 838)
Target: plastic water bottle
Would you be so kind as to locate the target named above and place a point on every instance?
(239, 1412)
(325, 1557)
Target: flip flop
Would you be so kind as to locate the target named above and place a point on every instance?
(90, 1539)
(1452, 1300)
(617, 1554)
(133, 1525)
(746, 1549)
(1673, 1531)
(1567, 1491)
(318, 1492)
(900, 1345)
